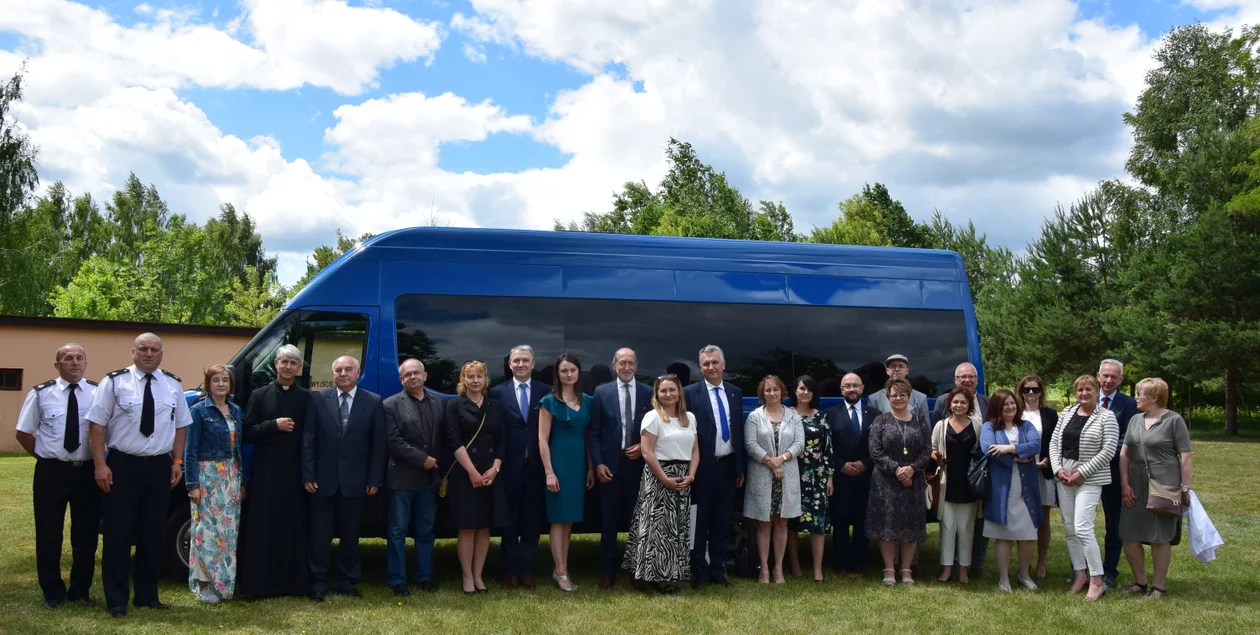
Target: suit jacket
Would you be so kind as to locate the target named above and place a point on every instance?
(918, 404)
(847, 446)
(413, 433)
(522, 433)
(707, 427)
(1125, 407)
(606, 422)
(346, 462)
(941, 411)
(1027, 444)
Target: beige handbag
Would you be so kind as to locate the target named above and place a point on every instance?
(1161, 499)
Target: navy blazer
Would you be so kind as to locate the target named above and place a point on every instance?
(848, 446)
(707, 427)
(347, 463)
(606, 421)
(1124, 407)
(522, 433)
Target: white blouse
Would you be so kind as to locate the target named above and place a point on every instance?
(673, 442)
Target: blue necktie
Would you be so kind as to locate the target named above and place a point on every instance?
(726, 426)
(524, 403)
(345, 410)
(853, 416)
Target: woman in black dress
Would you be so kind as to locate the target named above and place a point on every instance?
(476, 436)
(901, 447)
(272, 557)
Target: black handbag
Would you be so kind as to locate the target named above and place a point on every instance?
(978, 475)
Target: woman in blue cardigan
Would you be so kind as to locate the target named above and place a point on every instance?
(212, 472)
(1012, 503)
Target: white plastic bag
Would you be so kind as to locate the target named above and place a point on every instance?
(1204, 539)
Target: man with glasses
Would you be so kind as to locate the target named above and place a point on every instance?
(967, 378)
(850, 438)
(1110, 376)
(898, 367)
(616, 414)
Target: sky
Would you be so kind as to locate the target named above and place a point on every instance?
(370, 115)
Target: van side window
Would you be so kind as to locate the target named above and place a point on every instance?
(321, 336)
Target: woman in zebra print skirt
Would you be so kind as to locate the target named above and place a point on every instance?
(657, 549)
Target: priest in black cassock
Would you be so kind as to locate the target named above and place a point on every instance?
(272, 556)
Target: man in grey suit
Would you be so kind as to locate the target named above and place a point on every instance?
(966, 377)
(413, 425)
(343, 462)
(898, 367)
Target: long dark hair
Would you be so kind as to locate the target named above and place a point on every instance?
(557, 389)
(996, 404)
(811, 385)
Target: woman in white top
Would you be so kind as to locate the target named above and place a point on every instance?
(657, 549)
(775, 439)
(1030, 393)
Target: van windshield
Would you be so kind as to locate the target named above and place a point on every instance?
(321, 336)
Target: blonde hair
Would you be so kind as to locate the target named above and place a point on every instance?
(468, 367)
(682, 401)
(1086, 379)
(1156, 388)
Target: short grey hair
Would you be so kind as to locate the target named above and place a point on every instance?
(711, 349)
(410, 359)
(526, 348)
(68, 345)
(149, 336)
(289, 351)
(1114, 362)
(350, 357)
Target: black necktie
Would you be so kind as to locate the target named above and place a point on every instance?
(853, 416)
(146, 412)
(71, 440)
(627, 418)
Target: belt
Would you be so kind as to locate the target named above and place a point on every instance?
(70, 463)
(140, 457)
(723, 457)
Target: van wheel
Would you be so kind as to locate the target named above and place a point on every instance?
(175, 541)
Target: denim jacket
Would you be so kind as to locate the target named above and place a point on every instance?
(208, 438)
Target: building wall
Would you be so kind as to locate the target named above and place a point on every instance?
(108, 345)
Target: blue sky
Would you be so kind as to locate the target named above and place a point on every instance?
(318, 115)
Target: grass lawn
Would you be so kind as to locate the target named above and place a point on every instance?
(1218, 598)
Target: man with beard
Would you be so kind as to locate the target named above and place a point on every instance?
(850, 438)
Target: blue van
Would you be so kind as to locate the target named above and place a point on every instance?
(447, 295)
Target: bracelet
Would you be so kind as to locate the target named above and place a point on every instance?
(177, 461)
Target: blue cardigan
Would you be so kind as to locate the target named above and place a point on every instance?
(1027, 446)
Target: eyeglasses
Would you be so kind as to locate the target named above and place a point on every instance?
(965, 377)
(899, 395)
(1031, 390)
(852, 386)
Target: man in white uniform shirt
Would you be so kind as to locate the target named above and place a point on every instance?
(140, 416)
(52, 427)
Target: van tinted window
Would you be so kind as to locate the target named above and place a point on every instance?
(445, 331)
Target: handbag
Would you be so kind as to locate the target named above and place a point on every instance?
(446, 477)
(1161, 499)
(978, 475)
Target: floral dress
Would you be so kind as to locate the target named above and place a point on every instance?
(213, 533)
(816, 468)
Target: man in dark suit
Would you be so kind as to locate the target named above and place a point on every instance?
(850, 441)
(967, 378)
(1110, 376)
(522, 468)
(719, 411)
(614, 441)
(343, 461)
(413, 433)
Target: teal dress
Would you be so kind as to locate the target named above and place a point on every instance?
(568, 458)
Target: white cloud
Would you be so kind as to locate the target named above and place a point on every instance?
(474, 53)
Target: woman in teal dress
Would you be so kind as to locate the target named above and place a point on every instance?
(563, 416)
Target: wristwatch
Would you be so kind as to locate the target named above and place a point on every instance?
(1185, 488)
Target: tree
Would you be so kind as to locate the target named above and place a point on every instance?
(136, 213)
(896, 225)
(861, 222)
(235, 238)
(18, 180)
(255, 303)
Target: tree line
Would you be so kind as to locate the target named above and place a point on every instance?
(1160, 268)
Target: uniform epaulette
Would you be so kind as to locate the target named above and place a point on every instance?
(91, 383)
(115, 373)
(44, 385)
(172, 375)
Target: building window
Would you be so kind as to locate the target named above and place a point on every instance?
(10, 378)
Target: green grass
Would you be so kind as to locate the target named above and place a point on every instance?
(1219, 598)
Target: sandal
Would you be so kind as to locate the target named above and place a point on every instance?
(564, 583)
(1135, 588)
(889, 578)
(905, 576)
(1151, 594)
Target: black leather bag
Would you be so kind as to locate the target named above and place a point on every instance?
(978, 475)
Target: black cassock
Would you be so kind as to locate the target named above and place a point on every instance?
(272, 558)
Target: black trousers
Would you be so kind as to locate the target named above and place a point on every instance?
(57, 484)
(1113, 546)
(714, 497)
(616, 504)
(527, 508)
(135, 507)
(849, 553)
(341, 514)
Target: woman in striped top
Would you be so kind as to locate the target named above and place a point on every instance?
(1080, 455)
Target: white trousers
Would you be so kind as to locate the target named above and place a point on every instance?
(958, 522)
(1079, 507)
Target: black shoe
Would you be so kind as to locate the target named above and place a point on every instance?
(155, 605)
(118, 611)
(350, 591)
(401, 590)
(429, 586)
(1109, 583)
(52, 604)
(722, 581)
(317, 596)
(483, 590)
(85, 601)
(698, 583)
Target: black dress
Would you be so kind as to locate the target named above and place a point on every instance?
(272, 557)
(469, 507)
(958, 444)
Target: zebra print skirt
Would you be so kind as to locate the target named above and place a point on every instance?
(657, 549)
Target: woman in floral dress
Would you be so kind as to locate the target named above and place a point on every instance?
(816, 477)
(212, 472)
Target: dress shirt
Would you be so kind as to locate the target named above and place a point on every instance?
(119, 401)
(43, 414)
(621, 405)
(720, 448)
(516, 395)
(852, 408)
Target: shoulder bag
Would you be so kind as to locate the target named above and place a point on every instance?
(446, 477)
(1161, 499)
(978, 474)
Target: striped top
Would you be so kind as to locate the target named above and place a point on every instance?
(1098, 444)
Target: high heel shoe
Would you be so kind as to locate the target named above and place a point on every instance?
(563, 582)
